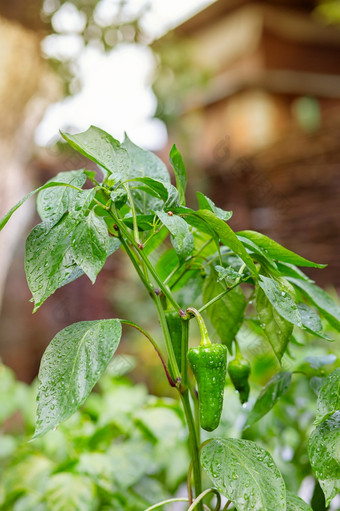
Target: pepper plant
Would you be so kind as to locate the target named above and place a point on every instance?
(206, 273)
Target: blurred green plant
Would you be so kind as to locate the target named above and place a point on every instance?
(116, 453)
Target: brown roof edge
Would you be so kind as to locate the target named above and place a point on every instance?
(223, 7)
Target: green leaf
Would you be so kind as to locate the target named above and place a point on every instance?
(227, 273)
(311, 321)
(90, 242)
(294, 503)
(199, 223)
(322, 300)
(145, 164)
(166, 263)
(8, 215)
(70, 367)
(77, 272)
(179, 171)
(280, 299)
(181, 238)
(102, 148)
(145, 222)
(329, 397)
(324, 455)
(289, 270)
(52, 203)
(227, 237)
(70, 492)
(269, 396)
(205, 203)
(227, 314)
(277, 329)
(163, 190)
(259, 253)
(245, 474)
(48, 258)
(277, 251)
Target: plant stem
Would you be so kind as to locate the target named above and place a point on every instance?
(134, 216)
(188, 259)
(205, 340)
(184, 351)
(135, 263)
(167, 293)
(172, 359)
(219, 296)
(154, 344)
(168, 501)
(194, 447)
(200, 497)
(165, 290)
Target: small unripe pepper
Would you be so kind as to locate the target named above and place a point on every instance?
(239, 371)
(209, 366)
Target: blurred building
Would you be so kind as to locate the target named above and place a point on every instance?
(252, 90)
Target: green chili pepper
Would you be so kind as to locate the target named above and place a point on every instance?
(239, 371)
(174, 322)
(209, 364)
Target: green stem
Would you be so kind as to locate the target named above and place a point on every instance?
(138, 269)
(219, 296)
(164, 502)
(134, 216)
(184, 352)
(205, 340)
(194, 446)
(188, 259)
(201, 497)
(164, 325)
(165, 290)
(167, 293)
(154, 344)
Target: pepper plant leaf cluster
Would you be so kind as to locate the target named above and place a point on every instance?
(193, 267)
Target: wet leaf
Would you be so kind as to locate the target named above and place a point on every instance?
(70, 367)
(164, 190)
(276, 328)
(145, 164)
(277, 251)
(324, 455)
(280, 299)
(322, 300)
(206, 203)
(181, 238)
(77, 272)
(90, 242)
(48, 258)
(227, 237)
(52, 203)
(102, 148)
(227, 314)
(269, 396)
(294, 503)
(50, 184)
(179, 171)
(245, 474)
(311, 321)
(329, 397)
